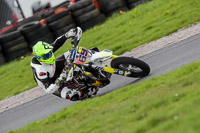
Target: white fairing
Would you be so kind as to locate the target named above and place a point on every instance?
(100, 55)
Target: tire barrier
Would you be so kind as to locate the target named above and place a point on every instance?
(91, 23)
(13, 45)
(14, 28)
(108, 7)
(60, 23)
(55, 17)
(34, 32)
(85, 14)
(30, 19)
(48, 25)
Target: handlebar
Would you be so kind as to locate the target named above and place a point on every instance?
(74, 41)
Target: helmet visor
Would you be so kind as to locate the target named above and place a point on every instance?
(47, 56)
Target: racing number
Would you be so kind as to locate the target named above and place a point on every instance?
(83, 55)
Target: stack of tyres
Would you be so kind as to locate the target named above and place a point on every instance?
(60, 23)
(20, 23)
(108, 7)
(14, 28)
(34, 32)
(47, 13)
(13, 45)
(85, 14)
(30, 19)
(2, 58)
(133, 3)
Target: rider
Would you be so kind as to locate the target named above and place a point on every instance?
(49, 72)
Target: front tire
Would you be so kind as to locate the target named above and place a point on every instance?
(138, 68)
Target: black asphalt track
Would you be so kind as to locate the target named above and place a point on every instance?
(160, 61)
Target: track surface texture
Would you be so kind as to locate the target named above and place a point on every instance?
(160, 61)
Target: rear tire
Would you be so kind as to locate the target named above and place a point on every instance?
(133, 63)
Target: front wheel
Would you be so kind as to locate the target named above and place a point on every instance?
(138, 68)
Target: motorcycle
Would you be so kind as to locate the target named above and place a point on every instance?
(85, 68)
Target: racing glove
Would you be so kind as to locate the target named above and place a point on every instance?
(75, 32)
(71, 33)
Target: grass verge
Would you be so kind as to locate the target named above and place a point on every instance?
(120, 33)
(164, 104)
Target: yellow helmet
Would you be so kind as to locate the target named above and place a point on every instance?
(43, 52)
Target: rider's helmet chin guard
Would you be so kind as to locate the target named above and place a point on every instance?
(43, 52)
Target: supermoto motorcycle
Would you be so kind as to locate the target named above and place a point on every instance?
(85, 68)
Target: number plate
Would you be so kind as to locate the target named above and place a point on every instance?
(83, 55)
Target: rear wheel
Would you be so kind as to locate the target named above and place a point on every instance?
(138, 68)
